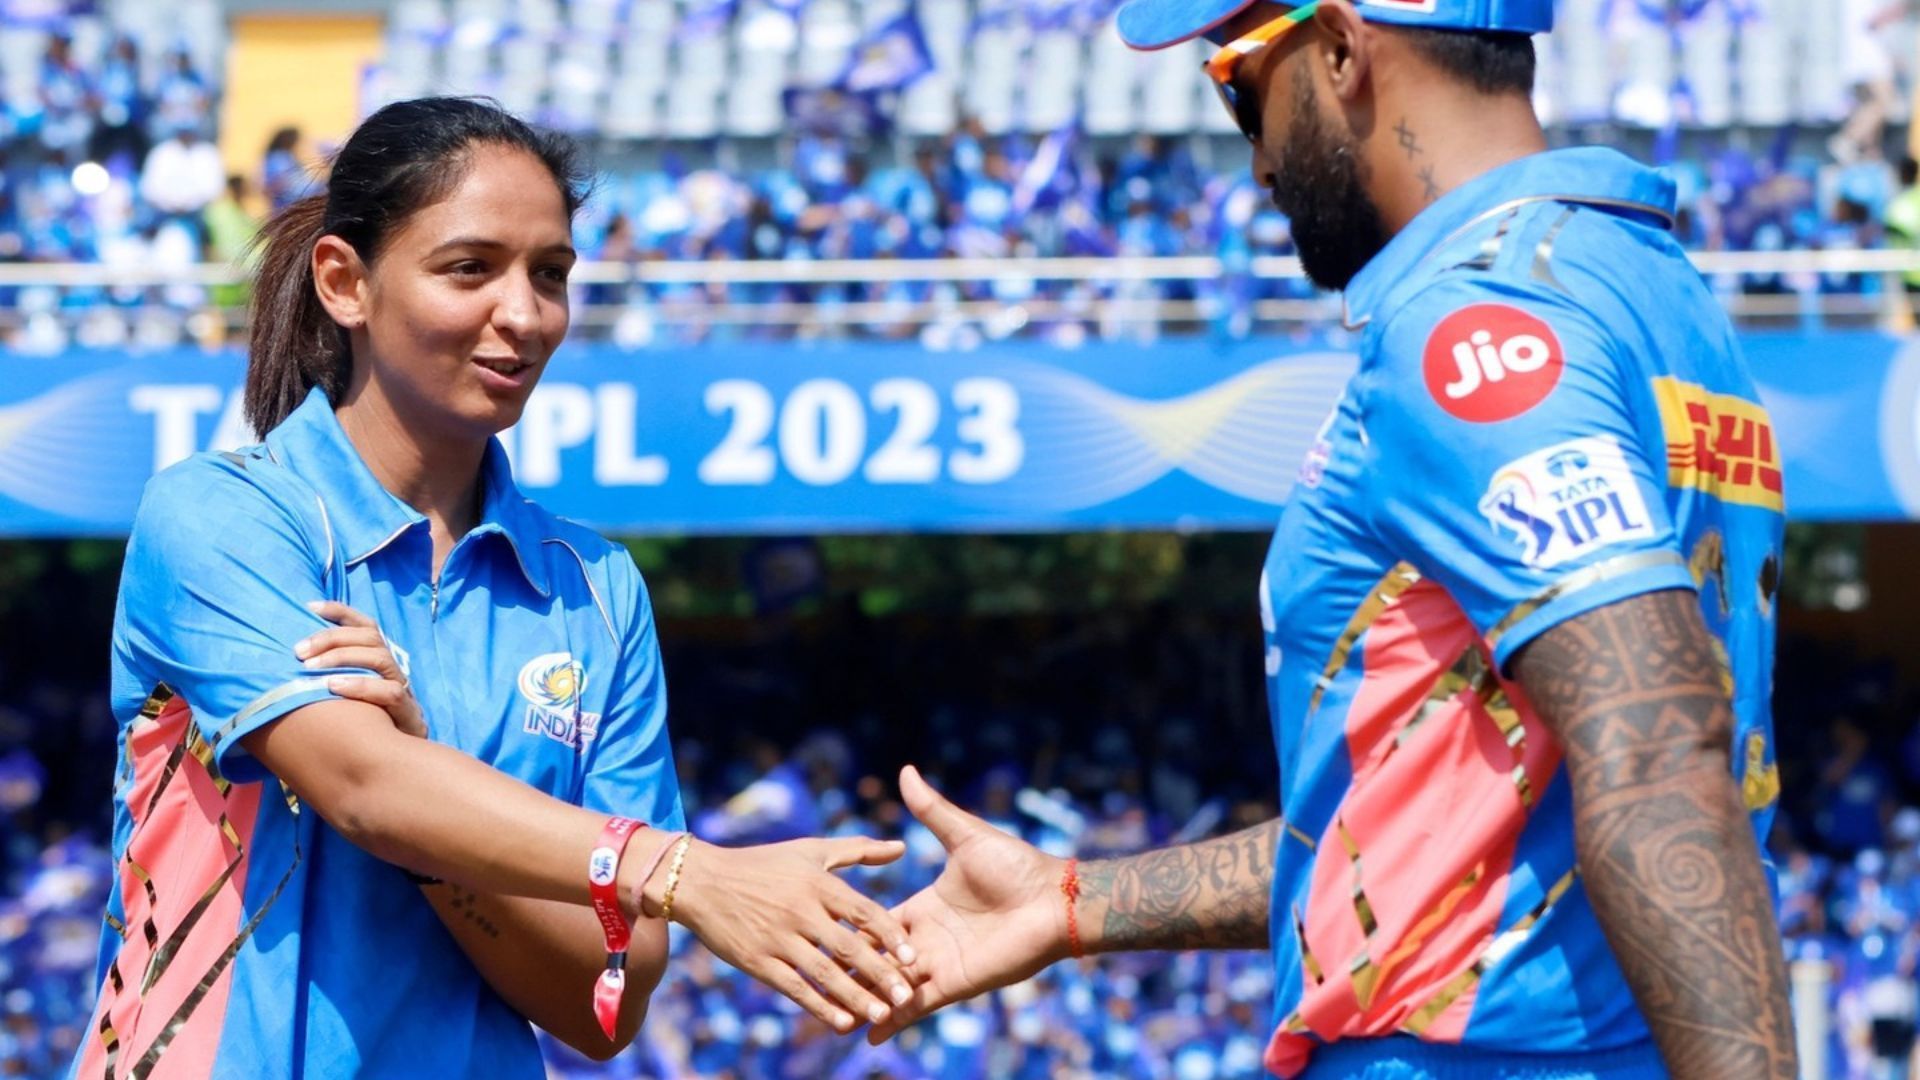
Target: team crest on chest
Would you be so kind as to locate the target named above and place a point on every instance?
(553, 684)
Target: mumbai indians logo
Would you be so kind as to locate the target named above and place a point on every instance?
(552, 685)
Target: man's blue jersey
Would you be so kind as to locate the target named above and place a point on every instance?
(1550, 415)
(246, 937)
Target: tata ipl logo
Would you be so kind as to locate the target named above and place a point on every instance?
(1566, 500)
(552, 684)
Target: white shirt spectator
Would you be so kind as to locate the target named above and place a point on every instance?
(183, 175)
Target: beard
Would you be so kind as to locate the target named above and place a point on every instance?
(1320, 184)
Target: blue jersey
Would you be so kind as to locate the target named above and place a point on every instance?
(1550, 415)
(247, 938)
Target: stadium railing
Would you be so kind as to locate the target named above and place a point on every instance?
(1796, 293)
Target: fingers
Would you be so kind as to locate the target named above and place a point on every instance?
(878, 924)
(339, 613)
(394, 697)
(385, 693)
(948, 823)
(376, 660)
(340, 637)
(839, 949)
(855, 948)
(901, 1019)
(843, 852)
(782, 977)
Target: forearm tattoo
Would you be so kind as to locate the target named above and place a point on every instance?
(1210, 895)
(1665, 848)
(465, 903)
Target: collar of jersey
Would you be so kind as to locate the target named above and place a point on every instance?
(366, 517)
(1591, 175)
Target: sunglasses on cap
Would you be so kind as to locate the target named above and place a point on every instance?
(1245, 106)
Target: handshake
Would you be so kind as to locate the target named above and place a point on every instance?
(1000, 910)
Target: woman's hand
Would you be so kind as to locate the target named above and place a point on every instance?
(358, 643)
(778, 913)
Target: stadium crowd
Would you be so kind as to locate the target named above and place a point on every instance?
(108, 157)
(1085, 734)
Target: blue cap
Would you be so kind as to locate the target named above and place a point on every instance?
(1156, 24)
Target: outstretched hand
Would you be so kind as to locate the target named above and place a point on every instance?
(994, 917)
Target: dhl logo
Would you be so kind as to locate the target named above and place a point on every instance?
(1721, 444)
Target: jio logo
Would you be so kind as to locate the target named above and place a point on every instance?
(1491, 362)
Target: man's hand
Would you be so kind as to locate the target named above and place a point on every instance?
(1665, 847)
(994, 917)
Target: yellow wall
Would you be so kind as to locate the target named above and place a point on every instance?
(298, 69)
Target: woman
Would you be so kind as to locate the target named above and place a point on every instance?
(282, 176)
(306, 887)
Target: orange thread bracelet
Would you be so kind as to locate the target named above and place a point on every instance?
(1070, 888)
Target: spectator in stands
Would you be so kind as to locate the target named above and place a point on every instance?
(123, 105)
(282, 175)
(1868, 68)
(1855, 798)
(616, 246)
(182, 99)
(183, 176)
(230, 228)
(1902, 218)
(66, 99)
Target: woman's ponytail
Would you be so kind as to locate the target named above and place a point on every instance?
(294, 345)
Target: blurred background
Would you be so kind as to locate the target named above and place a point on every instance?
(943, 368)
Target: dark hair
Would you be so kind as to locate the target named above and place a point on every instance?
(285, 138)
(1490, 62)
(401, 159)
(1909, 171)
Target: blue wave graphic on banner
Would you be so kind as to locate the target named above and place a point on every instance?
(65, 450)
(1245, 435)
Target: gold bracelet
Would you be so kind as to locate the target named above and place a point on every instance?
(673, 875)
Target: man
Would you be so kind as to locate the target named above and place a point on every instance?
(182, 176)
(1519, 610)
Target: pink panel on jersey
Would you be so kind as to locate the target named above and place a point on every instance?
(191, 865)
(1434, 818)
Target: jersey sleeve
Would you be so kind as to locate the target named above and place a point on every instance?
(220, 566)
(1509, 465)
(630, 763)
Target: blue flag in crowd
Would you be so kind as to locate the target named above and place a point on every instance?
(832, 111)
(705, 18)
(891, 56)
(50, 15)
(1049, 175)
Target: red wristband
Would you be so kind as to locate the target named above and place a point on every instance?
(1070, 888)
(603, 878)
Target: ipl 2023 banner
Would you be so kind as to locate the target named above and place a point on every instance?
(871, 437)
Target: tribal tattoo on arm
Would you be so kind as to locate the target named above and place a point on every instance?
(1210, 895)
(1666, 851)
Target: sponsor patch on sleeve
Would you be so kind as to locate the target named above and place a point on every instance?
(1721, 444)
(1491, 362)
(1567, 500)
